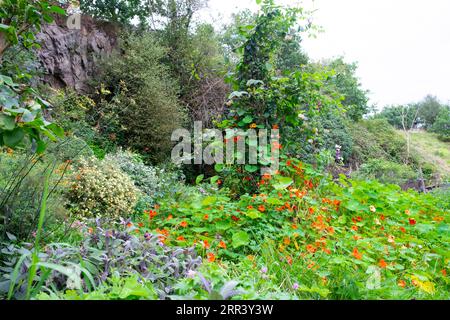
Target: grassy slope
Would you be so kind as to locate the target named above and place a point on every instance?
(432, 150)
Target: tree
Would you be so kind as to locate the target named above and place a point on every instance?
(347, 84)
(119, 11)
(442, 124)
(430, 107)
(137, 99)
(408, 115)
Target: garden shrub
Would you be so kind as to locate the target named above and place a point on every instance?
(386, 172)
(154, 182)
(101, 189)
(137, 107)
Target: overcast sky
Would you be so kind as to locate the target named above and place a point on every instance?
(402, 46)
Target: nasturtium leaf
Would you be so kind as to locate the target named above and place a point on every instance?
(251, 168)
(199, 179)
(14, 137)
(247, 119)
(240, 239)
(282, 182)
(7, 122)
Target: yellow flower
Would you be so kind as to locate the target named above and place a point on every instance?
(253, 126)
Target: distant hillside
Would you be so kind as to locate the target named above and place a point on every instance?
(433, 151)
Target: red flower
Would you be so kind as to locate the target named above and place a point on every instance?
(235, 218)
(412, 222)
(402, 229)
(222, 245)
(181, 238)
(261, 208)
(184, 224)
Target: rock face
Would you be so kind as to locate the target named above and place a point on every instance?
(69, 56)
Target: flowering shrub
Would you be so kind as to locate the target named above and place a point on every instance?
(152, 181)
(101, 189)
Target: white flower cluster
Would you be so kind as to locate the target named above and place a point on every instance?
(152, 181)
(99, 189)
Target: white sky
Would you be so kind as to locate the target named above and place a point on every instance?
(402, 46)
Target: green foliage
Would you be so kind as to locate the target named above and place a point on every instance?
(21, 117)
(21, 188)
(429, 110)
(106, 264)
(442, 124)
(348, 85)
(376, 139)
(21, 107)
(154, 182)
(101, 189)
(386, 172)
(400, 117)
(313, 239)
(120, 11)
(20, 18)
(137, 107)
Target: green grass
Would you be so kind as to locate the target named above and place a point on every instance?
(432, 150)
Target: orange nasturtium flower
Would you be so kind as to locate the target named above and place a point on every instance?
(206, 217)
(152, 214)
(382, 264)
(206, 244)
(253, 126)
(287, 241)
(222, 245)
(444, 272)
(412, 222)
(261, 208)
(170, 217)
(184, 224)
(357, 254)
(310, 248)
(211, 257)
(355, 228)
(181, 238)
(402, 283)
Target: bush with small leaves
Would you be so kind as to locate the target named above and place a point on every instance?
(101, 189)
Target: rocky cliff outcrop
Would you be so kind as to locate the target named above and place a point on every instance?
(69, 56)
